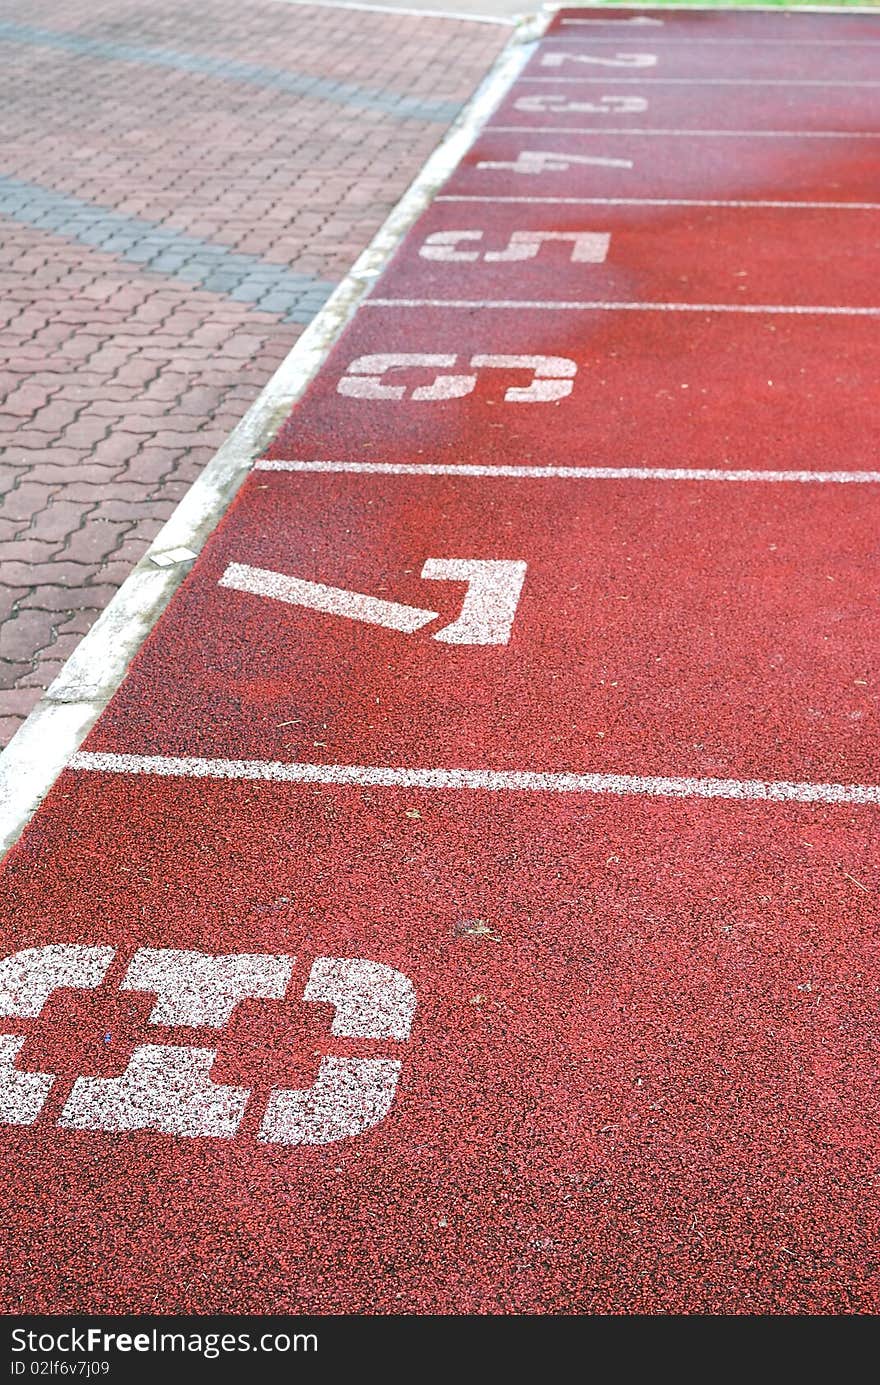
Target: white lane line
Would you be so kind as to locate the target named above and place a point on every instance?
(597, 6)
(65, 714)
(638, 21)
(660, 202)
(330, 601)
(688, 8)
(702, 81)
(546, 305)
(686, 134)
(569, 473)
(530, 781)
(683, 41)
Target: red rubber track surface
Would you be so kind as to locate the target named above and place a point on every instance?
(677, 166)
(833, 106)
(665, 1101)
(683, 627)
(657, 389)
(698, 255)
(641, 1075)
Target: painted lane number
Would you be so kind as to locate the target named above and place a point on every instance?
(534, 161)
(366, 377)
(587, 247)
(486, 616)
(630, 60)
(168, 1087)
(640, 20)
(553, 104)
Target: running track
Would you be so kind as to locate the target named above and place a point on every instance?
(467, 904)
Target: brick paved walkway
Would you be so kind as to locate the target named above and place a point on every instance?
(180, 186)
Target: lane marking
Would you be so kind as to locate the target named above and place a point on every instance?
(660, 202)
(688, 8)
(552, 161)
(63, 717)
(569, 473)
(329, 601)
(166, 1088)
(29, 977)
(196, 988)
(364, 377)
(22, 1094)
(553, 103)
(687, 134)
(627, 60)
(493, 587)
(169, 1088)
(545, 305)
(682, 41)
(586, 247)
(349, 1096)
(704, 81)
(382, 776)
(640, 19)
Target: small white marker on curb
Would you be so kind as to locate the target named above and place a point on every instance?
(173, 556)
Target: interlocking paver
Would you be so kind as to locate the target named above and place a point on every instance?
(180, 187)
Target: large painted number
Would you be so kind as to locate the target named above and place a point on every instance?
(552, 377)
(494, 587)
(27, 979)
(587, 247)
(168, 1088)
(372, 1001)
(534, 161)
(593, 59)
(554, 104)
(363, 379)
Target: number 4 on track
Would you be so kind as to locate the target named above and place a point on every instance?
(551, 161)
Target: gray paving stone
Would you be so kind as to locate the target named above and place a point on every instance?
(253, 74)
(215, 267)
